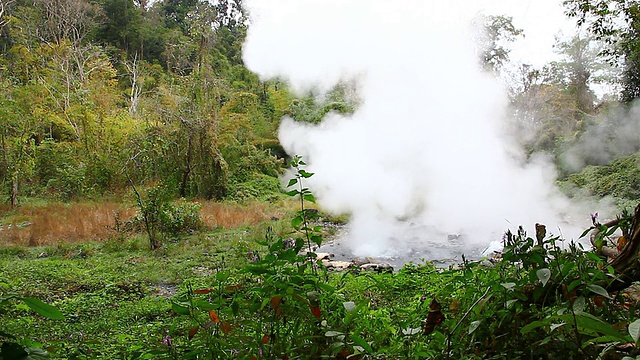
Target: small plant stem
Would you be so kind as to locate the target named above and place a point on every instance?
(153, 242)
(575, 329)
(461, 320)
(305, 224)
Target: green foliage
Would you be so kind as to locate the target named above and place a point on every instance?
(617, 23)
(620, 179)
(12, 347)
(157, 216)
(260, 187)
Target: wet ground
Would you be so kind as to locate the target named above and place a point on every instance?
(417, 244)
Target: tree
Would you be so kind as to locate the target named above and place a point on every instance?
(578, 68)
(616, 22)
(122, 28)
(494, 35)
(4, 13)
(72, 20)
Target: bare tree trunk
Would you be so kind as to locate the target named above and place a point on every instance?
(14, 191)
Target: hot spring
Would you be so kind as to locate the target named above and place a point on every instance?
(425, 166)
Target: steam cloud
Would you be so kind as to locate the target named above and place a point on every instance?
(427, 144)
(615, 133)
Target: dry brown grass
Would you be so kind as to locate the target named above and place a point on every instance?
(52, 224)
(231, 216)
(59, 223)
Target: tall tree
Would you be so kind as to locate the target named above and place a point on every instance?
(495, 32)
(122, 27)
(617, 22)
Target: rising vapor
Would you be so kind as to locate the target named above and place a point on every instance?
(427, 146)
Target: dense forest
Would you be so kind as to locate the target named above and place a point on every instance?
(98, 95)
(102, 95)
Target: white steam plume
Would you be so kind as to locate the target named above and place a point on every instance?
(426, 144)
(616, 133)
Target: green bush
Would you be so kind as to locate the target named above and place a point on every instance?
(259, 187)
(620, 179)
(158, 216)
(181, 219)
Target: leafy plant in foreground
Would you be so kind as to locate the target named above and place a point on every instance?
(14, 348)
(276, 307)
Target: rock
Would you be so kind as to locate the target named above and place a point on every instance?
(323, 256)
(380, 268)
(337, 265)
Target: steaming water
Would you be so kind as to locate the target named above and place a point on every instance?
(420, 243)
(426, 155)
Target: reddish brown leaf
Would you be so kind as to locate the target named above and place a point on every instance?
(213, 316)
(203, 291)
(315, 310)
(275, 301)
(435, 317)
(225, 327)
(343, 354)
(193, 332)
(265, 339)
(622, 241)
(599, 301)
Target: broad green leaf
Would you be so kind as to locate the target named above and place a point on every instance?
(349, 305)
(292, 182)
(509, 286)
(310, 198)
(592, 323)
(579, 304)
(573, 284)
(36, 354)
(586, 232)
(357, 340)
(510, 302)
(634, 330)
(533, 325)
(305, 174)
(566, 268)
(43, 309)
(316, 239)
(235, 307)
(474, 326)
(555, 326)
(326, 287)
(179, 309)
(594, 256)
(333, 333)
(295, 223)
(544, 275)
(598, 290)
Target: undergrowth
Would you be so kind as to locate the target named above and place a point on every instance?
(260, 293)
